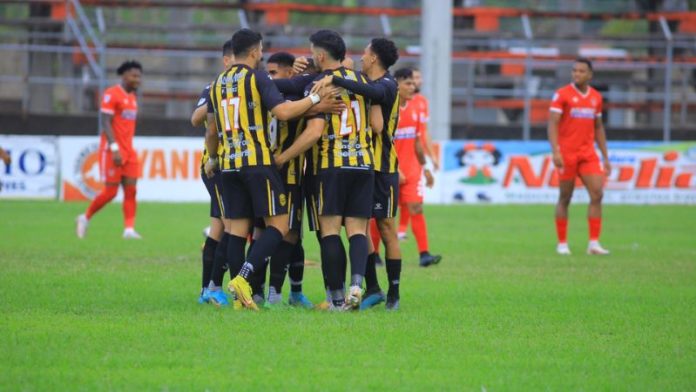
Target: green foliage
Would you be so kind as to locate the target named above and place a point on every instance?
(501, 312)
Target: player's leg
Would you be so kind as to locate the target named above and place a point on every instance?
(566, 186)
(111, 175)
(296, 260)
(214, 235)
(266, 192)
(280, 261)
(258, 279)
(373, 293)
(404, 218)
(593, 178)
(413, 197)
(332, 255)
(129, 181)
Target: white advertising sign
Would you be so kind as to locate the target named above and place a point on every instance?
(33, 168)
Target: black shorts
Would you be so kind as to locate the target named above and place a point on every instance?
(309, 185)
(345, 192)
(214, 187)
(386, 195)
(253, 192)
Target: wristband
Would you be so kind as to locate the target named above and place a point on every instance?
(113, 147)
(315, 98)
(428, 165)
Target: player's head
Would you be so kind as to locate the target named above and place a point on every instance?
(582, 71)
(247, 46)
(417, 79)
(327, 48)
(279, 65)
(131, 72)
(407, 86)
(227, 54)
(379, 52)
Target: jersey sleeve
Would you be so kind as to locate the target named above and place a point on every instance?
(109, 102)
(307, 90)
(557, 103)
(270, 95)
(374, 91)
(600, 106)
(204, 98)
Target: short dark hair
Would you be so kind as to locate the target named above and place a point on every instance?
(386, 51)
(330, 41)
(403, 73)
(284, 59)
(243, 40)
(128, 65)
(227, 48)
(584, 60)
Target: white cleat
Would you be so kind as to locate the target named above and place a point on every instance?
(563, 249)
(81, 225)
(131, 234)
(594, 248)
(354, 298)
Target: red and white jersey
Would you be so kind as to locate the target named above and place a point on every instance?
(576, 130)
(407, 130)
(423, 108)
(123, 106)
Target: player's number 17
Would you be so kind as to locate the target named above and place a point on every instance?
(234, 103)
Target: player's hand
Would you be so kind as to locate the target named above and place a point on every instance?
(211, 165)
(328, 103)
(436, 164)
(116, 157)
(300, 65)
(278, 161)
(429, 179)
(321, 84)
(5, 157)
(557, 160)
(607, 167)
(402, 178)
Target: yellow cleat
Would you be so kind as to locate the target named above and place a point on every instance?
(237, 305)
(243, 290)
(325, 305)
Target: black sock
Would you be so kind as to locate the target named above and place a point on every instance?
(219, 261)
(279, 264)
(251, 246)
(296, 270)
(264, 247)
(358, 258)
(394, 275)
(208, 260)
(258, 280)
(371, 282)
(331, 256)
(343, 266)
(235, 253)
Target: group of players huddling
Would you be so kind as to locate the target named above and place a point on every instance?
(315, 135)
(346, 145)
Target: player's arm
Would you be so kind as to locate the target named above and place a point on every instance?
(372, 91)
(304, 142)
(199, 115)
(552, 131)
(601, 139)
(111, 139)
(376, 119)
(420, 155)
(330, 104)
(211, 144)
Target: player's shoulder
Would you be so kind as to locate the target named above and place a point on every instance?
(115, 90)
(595, 93)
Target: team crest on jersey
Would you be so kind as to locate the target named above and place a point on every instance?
(283, 199)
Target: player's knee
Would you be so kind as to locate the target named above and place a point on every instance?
(386, 228)
(596, 196)
(110, 191)
(415, 208)
(292, 236)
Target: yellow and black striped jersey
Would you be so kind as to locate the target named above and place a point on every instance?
(346, 142)
(241, 99)
(283, 135)
(203, 101)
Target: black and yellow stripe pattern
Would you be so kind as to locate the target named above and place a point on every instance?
(285, 134)
(385, 153)
(240, 116)
(347, 138)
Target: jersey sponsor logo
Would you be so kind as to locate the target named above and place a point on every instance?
(405, 133)
(588, 113)
(129, 114)
(107, 98)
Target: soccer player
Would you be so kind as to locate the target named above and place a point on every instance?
(575, 124)
(409, 149)
(422, 105)
(216, 241)
(344, 171)
(118, 161)
(240, 101)
(379, 55)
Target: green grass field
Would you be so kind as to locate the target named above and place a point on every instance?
(501, 312)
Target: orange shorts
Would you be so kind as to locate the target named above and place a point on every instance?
(110, 173)
(578, 164)
(411, 191)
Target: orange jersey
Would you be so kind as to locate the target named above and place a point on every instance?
(576, 130)
(423, 108)
(407, 130)
(123, 106)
